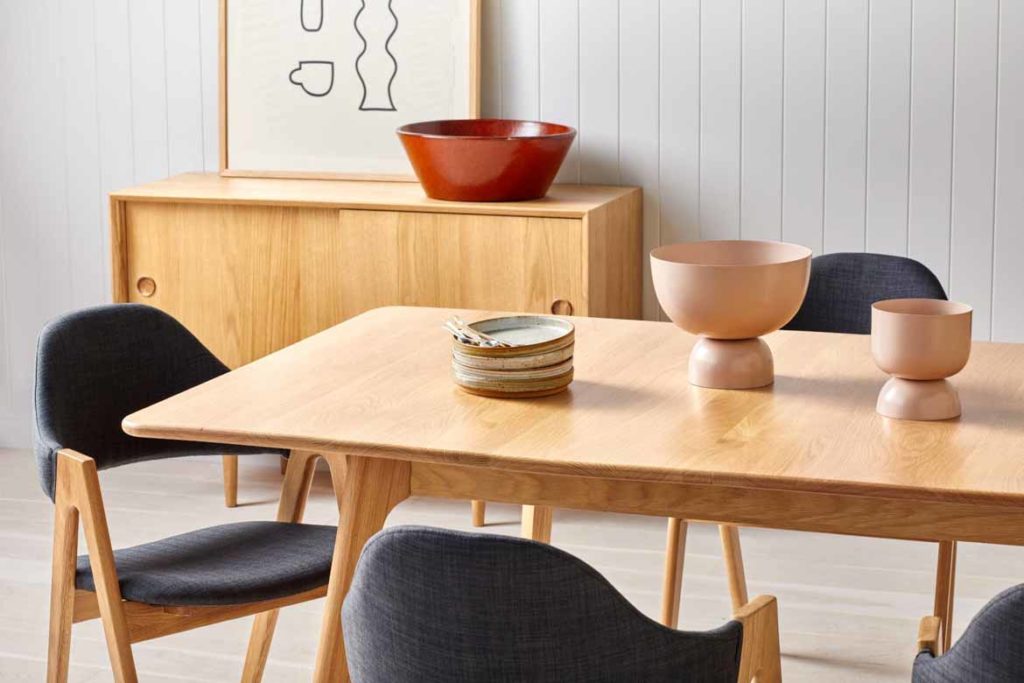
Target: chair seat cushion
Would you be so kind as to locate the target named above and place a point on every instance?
(223, 565)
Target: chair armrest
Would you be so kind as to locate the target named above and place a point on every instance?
(759, 656)
(928, 635)
(747, 611)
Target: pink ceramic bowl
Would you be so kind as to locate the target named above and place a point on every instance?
(921, 339)
(731, 289)
(486, 160)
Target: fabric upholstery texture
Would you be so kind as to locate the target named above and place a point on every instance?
(435, 605)
(991, 650)
(843, 287)
(97, 365)
(223, 565)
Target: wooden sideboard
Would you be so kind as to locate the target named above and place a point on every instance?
(252, 265)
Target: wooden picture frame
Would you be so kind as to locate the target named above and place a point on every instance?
(230, 168)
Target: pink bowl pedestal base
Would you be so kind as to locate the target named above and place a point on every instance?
(731, 364)
(907, 399)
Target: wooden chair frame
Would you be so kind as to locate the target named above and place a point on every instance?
(929, 636)
(78, 500)
(760, 656)
(229, 463)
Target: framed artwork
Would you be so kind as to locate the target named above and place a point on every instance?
(316, 88)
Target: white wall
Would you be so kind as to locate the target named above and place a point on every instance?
(889, 125)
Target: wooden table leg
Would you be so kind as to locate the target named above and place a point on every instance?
(672, 587)
(734, 565)
(945, 582)
(371, 488)
(537, 522)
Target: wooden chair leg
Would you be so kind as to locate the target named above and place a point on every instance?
(479, 512)
(372, 487)
(734, 565)
(230, 465)
(537, 522)
(945, 584)
(62, 590)
(672, 587)
(294, 493)
(760, 655)
(80, 472)
(260, 637)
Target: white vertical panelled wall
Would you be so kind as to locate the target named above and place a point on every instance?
(894, 126)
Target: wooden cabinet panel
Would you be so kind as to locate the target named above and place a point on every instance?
(252, 265)
(488, 262)
(231, 274)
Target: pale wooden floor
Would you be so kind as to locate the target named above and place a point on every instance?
(849, 606)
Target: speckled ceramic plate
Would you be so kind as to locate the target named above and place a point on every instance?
(530, 334)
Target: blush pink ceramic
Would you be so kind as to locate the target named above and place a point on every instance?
(920, 342)
(730, 293)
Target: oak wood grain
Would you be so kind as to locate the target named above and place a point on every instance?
(566, 201)
(361, 388)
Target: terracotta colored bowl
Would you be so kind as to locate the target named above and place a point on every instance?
(921, 339)
(486, 160)
(731, 289)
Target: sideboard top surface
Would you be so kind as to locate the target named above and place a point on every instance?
(569, 201)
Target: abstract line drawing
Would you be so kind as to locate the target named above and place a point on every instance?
(311, 14)
(315, 77)
(376, 24)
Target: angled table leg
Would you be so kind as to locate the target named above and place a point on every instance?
(945, 581)
(371, 488)
(672, 586)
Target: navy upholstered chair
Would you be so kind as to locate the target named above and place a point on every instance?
(843, 287)
(991, 650)
(839, 297)
(435, 605)
(94, 367)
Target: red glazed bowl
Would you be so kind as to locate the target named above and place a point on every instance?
(486, 160)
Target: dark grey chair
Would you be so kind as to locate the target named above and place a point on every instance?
(843, 287)
(94, 367)
(435, 605)
(991, 650)
(839, 297)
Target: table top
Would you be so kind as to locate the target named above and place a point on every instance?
(380, 385)
(566, 201)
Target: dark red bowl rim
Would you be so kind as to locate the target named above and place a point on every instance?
(407, 129)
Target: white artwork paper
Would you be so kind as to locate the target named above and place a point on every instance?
(319, 86)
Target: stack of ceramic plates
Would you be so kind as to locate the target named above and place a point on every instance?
(538, 361)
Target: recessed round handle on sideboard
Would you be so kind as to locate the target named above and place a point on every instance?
(146, 286)
(561, 307)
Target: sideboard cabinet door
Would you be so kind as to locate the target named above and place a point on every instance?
(462, 261)
(228, 273)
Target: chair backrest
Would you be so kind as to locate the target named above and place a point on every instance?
(431, 604)
(843, 287)
(990, 650)
(97, 365)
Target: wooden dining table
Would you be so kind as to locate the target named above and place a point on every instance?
(374, 396)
